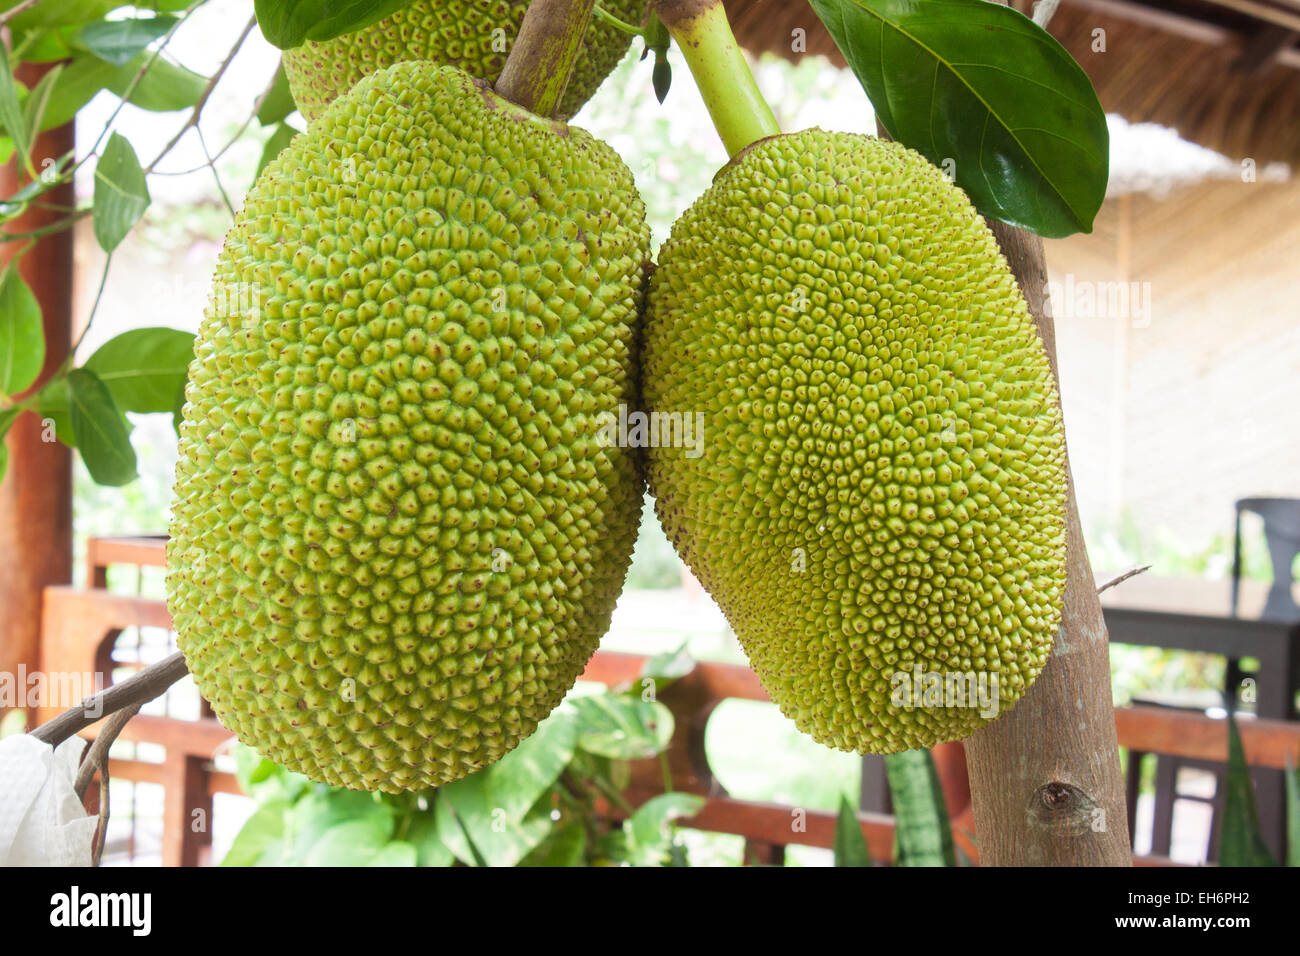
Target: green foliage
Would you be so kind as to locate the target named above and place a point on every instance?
(290, 23)
(1240, 842)
(999, 94)
(850, 844)
(22, 339)
(121, 193)
(923, 836)
(534, 807)
(101, 437)
(119, 41)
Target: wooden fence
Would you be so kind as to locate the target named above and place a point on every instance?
(81, 626)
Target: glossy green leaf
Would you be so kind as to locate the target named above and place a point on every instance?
(479, 831)
(11, 111)
(979, 86)
(623, 728)
(118, 41)
(923, 834)
(282, 137)
(650, 827)
(77, 84)
(320, 809)
(103, 441)
(7, 417)
(121, 193)
(396, 853)
(144, 368)
(352, 843)
(57, 13)
(165, 86)
(34, 108)
(1240, 842)
(566, 846)
(260, 831)
(289, 23)
(518, 780)
(424, 835)
(278, 102)
(850, 846)
(22, 335)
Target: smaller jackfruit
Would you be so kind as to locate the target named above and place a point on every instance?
(880, 502)
(475, 35)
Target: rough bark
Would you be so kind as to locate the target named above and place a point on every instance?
(1046, 783)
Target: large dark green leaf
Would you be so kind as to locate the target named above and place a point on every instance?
(144, 368)
(850, 845)
(118, 41)
(22, 337)
(1240, 843)
(922, 832)
(104, 442)
(121, 193)
(980, 86)
(289, 23)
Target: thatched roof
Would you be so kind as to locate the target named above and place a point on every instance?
(1224, 73)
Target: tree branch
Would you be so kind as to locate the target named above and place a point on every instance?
(136, 690)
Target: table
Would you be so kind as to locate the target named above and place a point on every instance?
(1190, 614)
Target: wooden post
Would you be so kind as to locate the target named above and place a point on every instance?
(36, 493)
(1046, 783)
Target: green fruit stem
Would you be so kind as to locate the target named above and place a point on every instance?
(739, 112)
(544, 54)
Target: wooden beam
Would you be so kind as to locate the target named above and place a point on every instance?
(1192, 735)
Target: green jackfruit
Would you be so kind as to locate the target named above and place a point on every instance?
(474, 35)
(881, 491)
(398, 533)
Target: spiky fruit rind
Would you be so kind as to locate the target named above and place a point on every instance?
(882, 485)
(398, 533)
(475, 35)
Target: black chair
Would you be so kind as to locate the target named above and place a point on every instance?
(1282, 536)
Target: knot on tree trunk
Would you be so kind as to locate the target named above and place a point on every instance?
(1062, 806)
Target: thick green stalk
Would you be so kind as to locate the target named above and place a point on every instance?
(541, 61)
(740, 114)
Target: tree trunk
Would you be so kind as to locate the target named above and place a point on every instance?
(1046, 783)
(36, 493)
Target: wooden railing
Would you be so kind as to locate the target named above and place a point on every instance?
(80, 626)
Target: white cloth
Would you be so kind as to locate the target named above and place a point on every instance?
(42, 823)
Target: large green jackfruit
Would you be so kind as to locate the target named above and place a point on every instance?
(398, 531)
(880, 499)
(475, 35)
